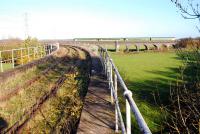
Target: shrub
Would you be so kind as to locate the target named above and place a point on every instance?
(184, 108)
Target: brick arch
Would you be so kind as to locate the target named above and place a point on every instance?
(146, 47)
(155, 46)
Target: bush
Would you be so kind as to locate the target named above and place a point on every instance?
(184, 108)
(188, 43)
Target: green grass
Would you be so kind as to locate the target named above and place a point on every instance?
(7, 66)
(148, 75)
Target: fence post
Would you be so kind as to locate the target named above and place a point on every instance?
(1, 62)
(116, 114)
(128, 113)
(21, 53)
(111, 82)
(58, 46)
(48, 50)
(51, 48)
(108, 69)
(28, 54)
(34, 53)
(13, 61)
(105, 64)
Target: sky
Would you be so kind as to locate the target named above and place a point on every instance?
(67, 19)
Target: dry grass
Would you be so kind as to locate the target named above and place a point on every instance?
(68, 95)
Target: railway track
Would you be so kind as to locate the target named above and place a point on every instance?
(17, 126)
(28, 83)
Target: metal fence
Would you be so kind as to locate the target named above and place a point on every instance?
(114, 77)
(14, 57)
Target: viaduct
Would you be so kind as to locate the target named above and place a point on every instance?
(156, 43)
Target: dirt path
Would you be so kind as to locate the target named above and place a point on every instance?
(98, 114)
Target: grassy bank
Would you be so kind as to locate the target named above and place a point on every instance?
(63, 102)
(148, 76)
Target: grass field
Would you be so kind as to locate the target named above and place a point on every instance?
(148, 75)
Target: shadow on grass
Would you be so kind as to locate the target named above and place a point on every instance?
(149, 95)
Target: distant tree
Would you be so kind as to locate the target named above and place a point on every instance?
(31, 42)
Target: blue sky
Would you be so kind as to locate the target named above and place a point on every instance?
(93, 18)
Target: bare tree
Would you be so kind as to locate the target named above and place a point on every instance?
(189, 9)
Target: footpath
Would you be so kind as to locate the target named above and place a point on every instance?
(97, 116)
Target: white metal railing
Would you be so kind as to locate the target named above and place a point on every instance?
(10, 57)
(113, 77)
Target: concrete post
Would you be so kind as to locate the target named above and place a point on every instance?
(116, 46)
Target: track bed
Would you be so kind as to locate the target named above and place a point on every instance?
(47, 97)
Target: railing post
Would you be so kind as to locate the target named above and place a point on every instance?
(48, 50)
(105, 64)
(128, 113)
(34, 53)
(108, 68)
(111, 81)
(58, 46)
(22, 61)
(106, 59)
(51, 48)
(13, 61)
(116, 114)
(28, 54)
(130, 103)
(1, 61)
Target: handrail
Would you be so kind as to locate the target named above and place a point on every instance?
(110, 68)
